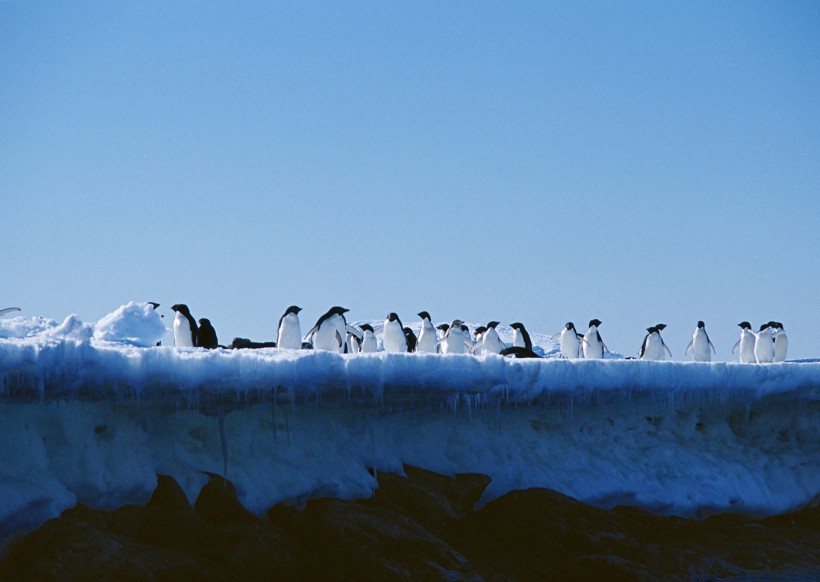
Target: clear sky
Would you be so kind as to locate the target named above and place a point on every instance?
(541, 162)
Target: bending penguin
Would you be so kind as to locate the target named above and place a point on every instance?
(289, 331)
(393, 336)
(700, 345)
(746, 343)
(185, 328)
(427, 340)
(593, 345)
(330, 331)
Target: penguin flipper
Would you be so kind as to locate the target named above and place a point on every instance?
(556, 336)
(8, 310)
(714, 351)
(688, 347)
(339, 339)
(734, 348)
(354, 332)
(313, 330)
(668, 351)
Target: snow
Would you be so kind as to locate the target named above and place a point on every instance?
(89, 416)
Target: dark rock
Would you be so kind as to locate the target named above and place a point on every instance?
(218, 502)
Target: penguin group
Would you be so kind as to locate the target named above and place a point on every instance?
(332, 332)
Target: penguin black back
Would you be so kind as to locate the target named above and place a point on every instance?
(524, 334)
(411, 339)
(206, 335)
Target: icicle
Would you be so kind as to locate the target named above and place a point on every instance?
(273, 418)
(224, 442)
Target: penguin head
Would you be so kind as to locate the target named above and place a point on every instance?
(772, 324)
(595, 322)
(181, 308)
(294, 309)
(479, 330)
(778, 326)
(153, 304)
(424, 315)
(660, 327)
(763, 326)
(366, 327)
(652, 329)
(464, 328)
(443, 327)
(745, 325)
(392, 316)
(701, 325)
(338, 310)
(204, 322)
(408, 333)
(492, 324)
(517, 325)
(569, 325)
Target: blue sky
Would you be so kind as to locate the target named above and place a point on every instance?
(537, 162)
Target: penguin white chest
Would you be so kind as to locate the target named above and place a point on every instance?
(427, 338)
(593, 349)
(701, 352)
(290, 333)
(393, 338)
(569, 343)
(182, 332)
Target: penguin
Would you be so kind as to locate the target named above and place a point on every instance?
(368, 343)
(393, 334)
(477, 337)
(8, 310)
(746, 343)
(241, 343)
(411, 339)
(427, 340)
(700, 345)
(185, 328)
(454, 341)
(518, 352)
(570, 342)
(206, 335)
(330, 331)
(764, 345)
(521, 338)
(490, 342)
(653, 347)
(593, 345)
(781, 343)
(354, 340)
(289, 331)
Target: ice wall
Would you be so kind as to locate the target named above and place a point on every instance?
(95, 422)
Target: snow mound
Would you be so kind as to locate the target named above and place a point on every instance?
(137, 324)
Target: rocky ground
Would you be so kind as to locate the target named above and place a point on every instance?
(419, 527)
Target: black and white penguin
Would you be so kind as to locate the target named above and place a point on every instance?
(289, 331)
(185, 328)
(206, 335)
(393, 334)
(427, 339)
(593, 346)
(369, 344)
(781, 343)
(700, 345)
(764, 344)
(411, 339)
(477, 337)
(570, 341)
(454, 340)
(490, 342)
(746, 343)
(653, 347)
(330, 332)
(521, 338)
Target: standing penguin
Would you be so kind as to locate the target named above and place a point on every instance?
(521, 339)
(478, 335)
(427, 340)
(570, 342)
(368, 343)
(206, 335)
(700, 345)
(330, 330)
(653, 347)
(454, 341)
(746, 343)
(289, 331)
(393, 334)
(185, 328)
(781, 343)
(764, 345)
(411, 339)
(593, 345)
(490, 342)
